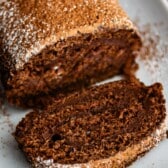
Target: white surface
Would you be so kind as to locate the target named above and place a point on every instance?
(147, 11)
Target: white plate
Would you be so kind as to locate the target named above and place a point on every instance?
(147, 11)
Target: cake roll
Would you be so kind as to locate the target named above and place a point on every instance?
(110, 125)
(60, 46)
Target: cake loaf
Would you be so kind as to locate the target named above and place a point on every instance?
(104, 126)
(59, 46)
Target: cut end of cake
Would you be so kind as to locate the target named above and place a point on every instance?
(76, 62)
(112, 124)
(119, 160)
(63, 50)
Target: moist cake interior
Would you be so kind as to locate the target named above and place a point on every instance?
(93, 125)
(73, 63)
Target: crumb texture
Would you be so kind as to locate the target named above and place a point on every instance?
(72, 64)
(92, 125)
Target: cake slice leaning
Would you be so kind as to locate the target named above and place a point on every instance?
(104, 126)
(49, 46)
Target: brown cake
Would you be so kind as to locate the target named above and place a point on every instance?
(103, 126)
(62, 46)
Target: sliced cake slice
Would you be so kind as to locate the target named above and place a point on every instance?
(104, 126)
(50, 46)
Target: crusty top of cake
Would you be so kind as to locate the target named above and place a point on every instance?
(28, 26)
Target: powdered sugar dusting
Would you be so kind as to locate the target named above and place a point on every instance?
(27, 27)
(50, 164)
(20, 33)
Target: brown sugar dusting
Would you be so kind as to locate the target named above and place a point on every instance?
(151, 41)
(23, 42)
